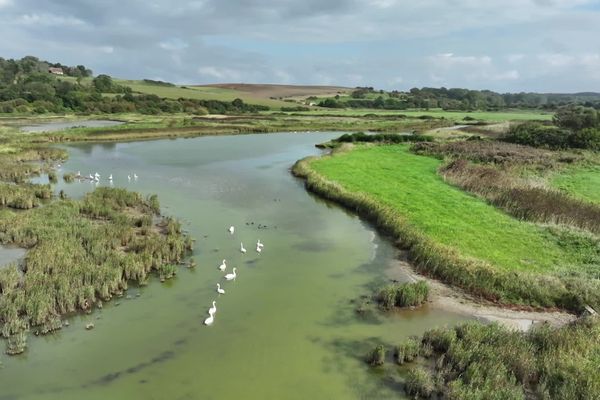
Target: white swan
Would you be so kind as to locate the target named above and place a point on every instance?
(110, 177)
(135, 176)
(223, 266)
(232, 276)
(91, 177)
(97, 175)
(259, 244)
(242, 249)
(231, 229)
(78, 174)
(258, 249)
(128, 177)
(209, 320)
(213, 309)
(219, 290)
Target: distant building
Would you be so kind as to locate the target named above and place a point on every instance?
(56, 71)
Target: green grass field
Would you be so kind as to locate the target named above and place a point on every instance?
(410, 184)
(581, 182)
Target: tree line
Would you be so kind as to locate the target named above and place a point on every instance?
(27, 86)
(457, 99)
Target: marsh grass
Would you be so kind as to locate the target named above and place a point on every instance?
(82, 252)
(403, 295)
(488, 361)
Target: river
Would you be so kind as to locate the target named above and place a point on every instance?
(286, 327)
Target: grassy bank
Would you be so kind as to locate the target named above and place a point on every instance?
(81, 253)
(456, 237)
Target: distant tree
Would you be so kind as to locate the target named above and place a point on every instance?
(103, 83)
(576, 118)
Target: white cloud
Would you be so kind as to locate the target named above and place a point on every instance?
(48, 20)
(173, 45)
(224, 74)
(5, 3)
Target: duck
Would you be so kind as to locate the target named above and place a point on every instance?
(231, 229)
(209, 321)
(223, 266)
(242, 249)
(219, 290)
(213, 309)
(232, 276)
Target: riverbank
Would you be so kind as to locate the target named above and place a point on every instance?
(455, 237)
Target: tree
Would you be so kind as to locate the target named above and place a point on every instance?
(103, 83)
(576, 118)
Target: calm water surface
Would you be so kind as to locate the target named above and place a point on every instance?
(285, 329)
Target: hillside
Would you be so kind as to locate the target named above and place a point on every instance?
(271, 91)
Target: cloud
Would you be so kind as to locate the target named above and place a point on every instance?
(501, 45)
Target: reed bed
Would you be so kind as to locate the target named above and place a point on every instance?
(81, 253)
(475, 361)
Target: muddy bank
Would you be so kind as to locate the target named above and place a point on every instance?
(445, 297)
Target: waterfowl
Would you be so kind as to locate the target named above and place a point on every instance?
(91, 177)
(258, 249)
(209, 320)
(242, 249)
(110, 177)
(213, 309)
(135, 176)
(232, 276)
(128, 177)
(223, 266)
(259, 244)
(219, 290)
(231, 229)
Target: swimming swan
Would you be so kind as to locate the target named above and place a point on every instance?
(213, 309)
(232, 276)
(242, 249)
(209, 320)
(259, 244)
(219, 290)
(258, 249)
(223, 266)
(231, 229)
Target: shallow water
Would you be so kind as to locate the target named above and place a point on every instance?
(59, 126)
(285, 329)
(10, 255)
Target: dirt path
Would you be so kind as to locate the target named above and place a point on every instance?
(444, 297)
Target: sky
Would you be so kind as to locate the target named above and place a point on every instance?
(501, 45)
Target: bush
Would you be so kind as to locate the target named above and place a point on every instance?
(419, 383)
(391, 138)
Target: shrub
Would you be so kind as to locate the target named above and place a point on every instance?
(390, 138)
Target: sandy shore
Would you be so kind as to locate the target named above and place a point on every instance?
(444, 297)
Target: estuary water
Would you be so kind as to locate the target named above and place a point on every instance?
(287, 326)
(59, 126)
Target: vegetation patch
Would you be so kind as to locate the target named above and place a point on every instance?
(81, 253)
(475, 361)
(403, 295)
